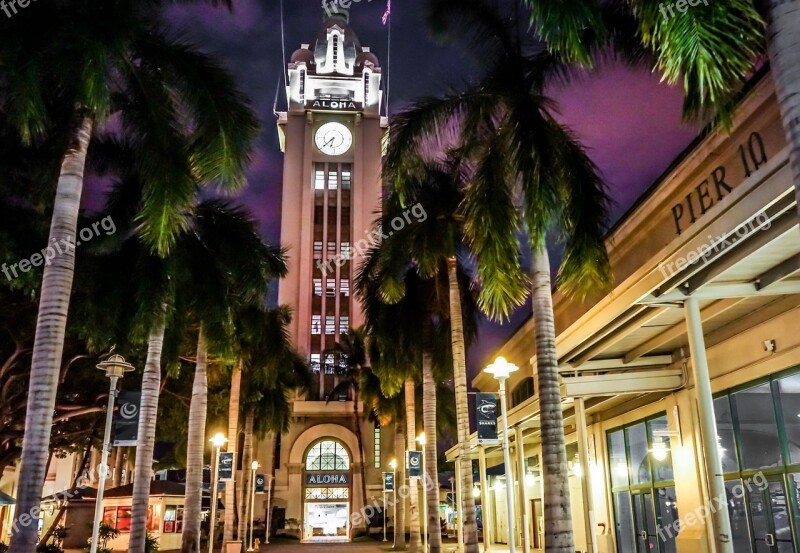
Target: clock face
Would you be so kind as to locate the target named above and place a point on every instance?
(333, 139)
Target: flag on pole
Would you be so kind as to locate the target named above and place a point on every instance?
(388, 12)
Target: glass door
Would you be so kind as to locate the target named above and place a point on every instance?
(770, 519)
(644, 522)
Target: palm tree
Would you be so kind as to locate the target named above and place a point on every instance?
(712, 48)
(233, 495)
(434, 244)
(528, 173)
(351, 363)
(103, 60)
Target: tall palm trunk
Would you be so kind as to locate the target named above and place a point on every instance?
(400, 476)
(195, 448)
(558, 537)
(245, 491)
(146, 438)
(276, 445)
(48, 345)
(413, 493)
(783, 47)
(233, 443)
(467, 507)
(118, 466)
(360, 439)
(431, 478)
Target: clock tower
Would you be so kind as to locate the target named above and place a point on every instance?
(331, 136)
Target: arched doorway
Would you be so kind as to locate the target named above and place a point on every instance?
(327, 489)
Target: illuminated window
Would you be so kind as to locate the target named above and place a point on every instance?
(317, 286)
(316, 324)
(314, 362)
(377, 445)
(344, 287)
(173, 519)
(332, 248)
(330, 324)
(330, 287)
(327, 493)
(330, 365)
(345, 249)
(333, 180)
(335, 50)
(327, 455)
(318, 250)
(302, 84)
(344, 323)
(366, 87)
(319, 179)
(346, 179)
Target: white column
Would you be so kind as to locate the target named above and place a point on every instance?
(708, 426)
(459, 508)
(524, 511)
(586, 480)
(486, 510)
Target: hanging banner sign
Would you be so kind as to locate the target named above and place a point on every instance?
(486, 416)
(226, 466)
(260, 480)
(414, 464)
(126, 425)
(388, 481)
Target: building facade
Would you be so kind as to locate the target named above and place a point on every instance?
(684, 378)
(331, 136)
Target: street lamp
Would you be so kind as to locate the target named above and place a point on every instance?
(217, 441)
(421, 441)
(501, 369)
(115, 367)
(393, 466)
(254, 466)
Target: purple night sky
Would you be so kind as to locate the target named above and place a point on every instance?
(629, 122)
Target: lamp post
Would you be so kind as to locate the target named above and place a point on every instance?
(393, 466)
(115, 368)
(501, 369)
(421, 441)
(254, 466)
(217, 441)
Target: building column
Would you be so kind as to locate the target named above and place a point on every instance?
(486, 510)
(586, 480)
(459, 508)
(524, 509)
(708, 426)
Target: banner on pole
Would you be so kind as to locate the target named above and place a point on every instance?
(260, 480)
(414, 464)
(226, 466)
(126, 425)
(388, 481)
(486, 417)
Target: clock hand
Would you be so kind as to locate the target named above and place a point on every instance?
(330, 142)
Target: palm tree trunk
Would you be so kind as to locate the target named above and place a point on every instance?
(400, 476)
(558, 537)
(145, 440)
(245, 491)
(360, 439)
(48, 345)
(195, 448)
(233, 443)
(431, 478)
(413, 493)
(467, 514)
(783, 47)
(118, 466)
(276, 440)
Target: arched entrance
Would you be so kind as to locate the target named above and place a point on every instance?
(327, 489)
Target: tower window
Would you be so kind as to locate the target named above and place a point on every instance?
(319, 179)
(302, 85)
(344, 322)
(333, 180)
(332, 248)
(330, 325)
(314, 362)
(366, 87)
(346, 178)
(330, 366)
(316, 324)
(318, 249)
(330, 287)
(345, 249)
(335, 50)
(344, 287)
(317, 286)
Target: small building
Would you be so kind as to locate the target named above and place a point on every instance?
(78, 504)
(164, 516)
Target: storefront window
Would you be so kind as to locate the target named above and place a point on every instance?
(758, 429)
(662, 468)
(173, 519)
(639, 461)
(623, 514)
(727, 446)
(124, 519)
(737, 510)
(328, 455)
(789, 390)
(618, 458)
